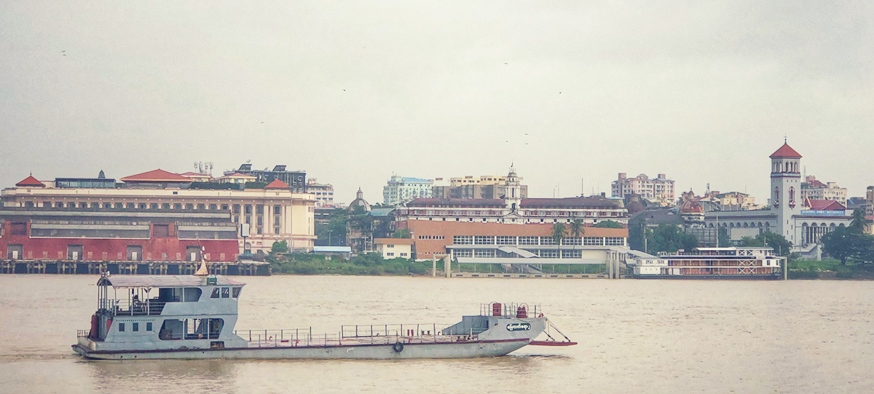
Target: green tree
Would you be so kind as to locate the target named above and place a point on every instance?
(401, 233)
(776, 241)
(723, 237)
(859, 221)
(333, 231)
(840, 244)
(635, 237)
(608, 224)
(849, 243)
(279, 247)
(669, 238)
(558, 232)
(577, 228)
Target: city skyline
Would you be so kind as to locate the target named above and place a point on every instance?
(352, 94)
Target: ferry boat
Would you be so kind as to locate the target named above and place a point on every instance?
(712, 263)
(193, 317)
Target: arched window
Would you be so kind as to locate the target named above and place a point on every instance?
(792, 197)
(776, 196)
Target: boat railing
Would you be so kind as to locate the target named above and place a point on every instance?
(385, 330)
(365, 335)
(147, 307)
(511, 310)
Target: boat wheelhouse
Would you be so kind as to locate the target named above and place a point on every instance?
(712, 263)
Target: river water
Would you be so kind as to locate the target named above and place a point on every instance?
(645, 336)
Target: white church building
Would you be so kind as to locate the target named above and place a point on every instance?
(801, 222)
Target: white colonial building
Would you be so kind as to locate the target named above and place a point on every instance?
(802, 222)
(514, 209)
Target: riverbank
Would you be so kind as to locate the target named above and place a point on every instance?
(830, 270)
(373, 264)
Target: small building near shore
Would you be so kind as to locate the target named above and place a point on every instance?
(392, 248)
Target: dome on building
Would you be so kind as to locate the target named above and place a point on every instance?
(359, 202)
(691, 206)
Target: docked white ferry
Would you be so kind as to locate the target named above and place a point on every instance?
(193, 317)
(712, 263)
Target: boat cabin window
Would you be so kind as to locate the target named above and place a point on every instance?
(226, 292)
(120, 327)
(237, 291)
(215, 293)
(148, 326)
(187, 329)
(136, 326)
(185, 294)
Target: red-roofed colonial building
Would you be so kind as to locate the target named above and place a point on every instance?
(103, 218)
(797, 217)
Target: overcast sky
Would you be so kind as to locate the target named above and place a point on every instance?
(353, 92)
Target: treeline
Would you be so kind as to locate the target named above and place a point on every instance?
(368, 264)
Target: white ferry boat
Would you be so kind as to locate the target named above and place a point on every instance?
(193, 317)
(712, 263)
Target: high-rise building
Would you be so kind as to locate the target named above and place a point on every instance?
(659, 189)
(400, 189)
(324, 192)
(816, 190)
(296, 180)
(481, 187)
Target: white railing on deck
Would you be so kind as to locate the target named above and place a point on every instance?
(352, 335)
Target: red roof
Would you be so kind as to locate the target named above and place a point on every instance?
(568, 202)
(825, 205)
(158, 175)
(30, 181)
(277, 184)
(786, 151)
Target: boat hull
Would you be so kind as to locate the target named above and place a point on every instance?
(471, 349)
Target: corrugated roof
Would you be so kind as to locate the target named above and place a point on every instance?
(381, 212)
(158, 175)
(332, 249)
(571, 202)
(164, 281)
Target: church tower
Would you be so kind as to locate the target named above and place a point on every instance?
(513, 196)
(786, 190)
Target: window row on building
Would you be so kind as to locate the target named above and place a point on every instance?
(542, 253)
(534, 240)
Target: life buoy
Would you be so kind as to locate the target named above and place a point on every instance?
(398, 347)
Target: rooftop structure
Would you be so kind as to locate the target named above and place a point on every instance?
(399, 190)
(296, 180)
